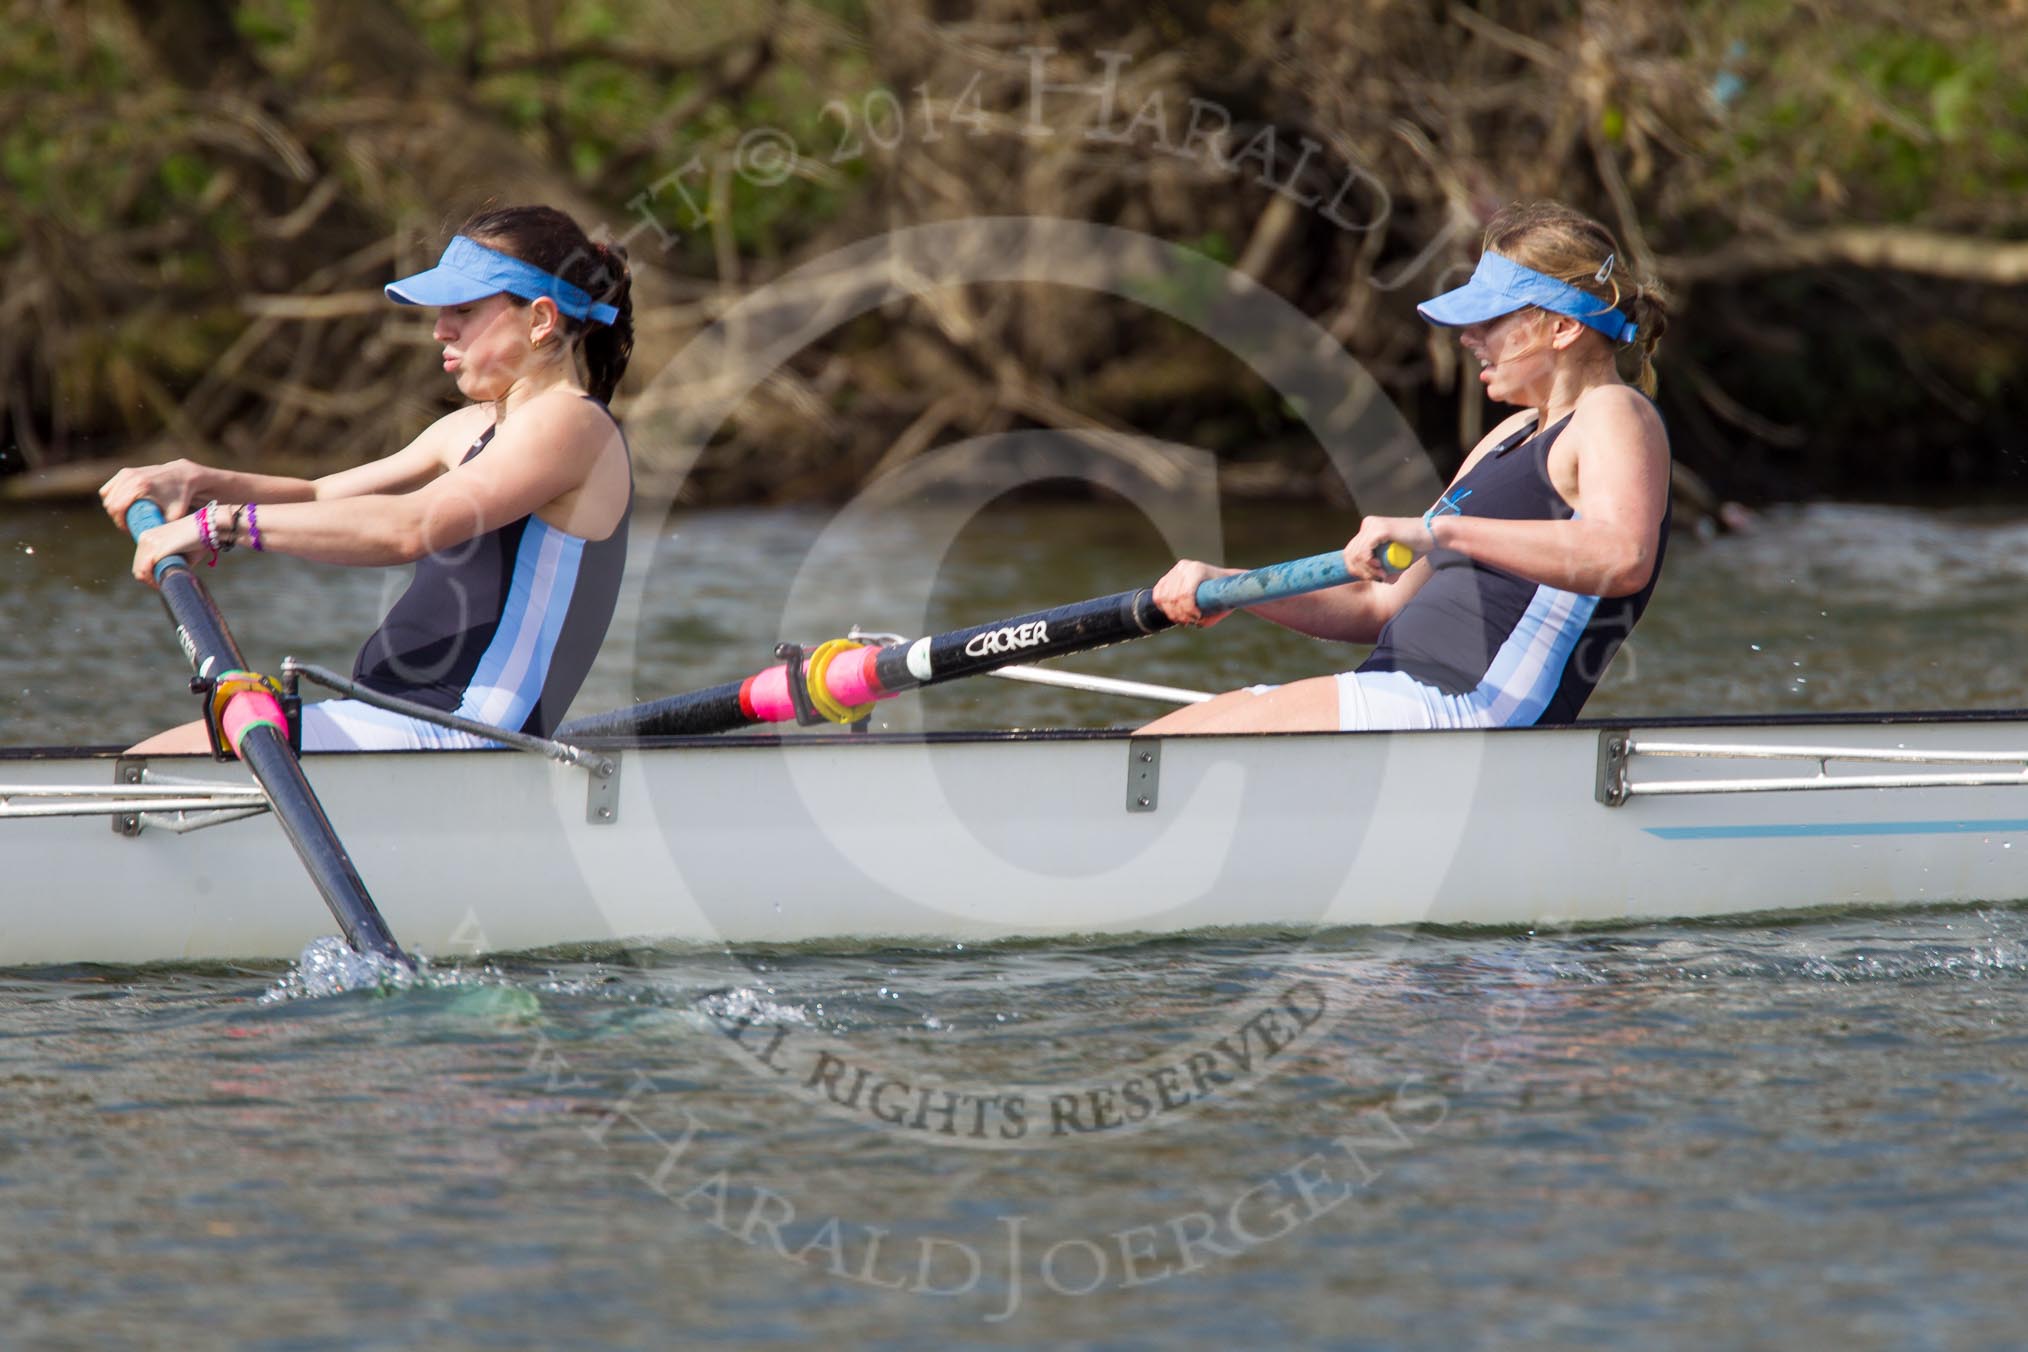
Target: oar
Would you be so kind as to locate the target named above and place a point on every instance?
(257, 730)
(859, 677)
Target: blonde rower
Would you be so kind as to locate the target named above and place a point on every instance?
(1543, 552)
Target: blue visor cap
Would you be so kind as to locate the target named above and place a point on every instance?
(470, 271)
(1500, 286)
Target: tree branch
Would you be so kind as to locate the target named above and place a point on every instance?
(1956, 257)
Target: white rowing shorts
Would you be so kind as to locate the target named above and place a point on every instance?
(349, 725)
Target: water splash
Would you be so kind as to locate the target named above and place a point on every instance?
(328, 966)
(743, 1002)
(1976, 945)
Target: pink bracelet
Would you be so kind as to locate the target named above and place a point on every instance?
(253, 526)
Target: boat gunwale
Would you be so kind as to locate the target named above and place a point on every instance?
(1770, 723)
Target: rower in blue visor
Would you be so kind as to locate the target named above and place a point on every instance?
(513, 508)
(1532, 567)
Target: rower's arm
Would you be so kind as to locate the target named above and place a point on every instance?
(431, 454)
(1357, 613)
(178, 486)
(1623, 482)
(548, 450)
(1350, 614)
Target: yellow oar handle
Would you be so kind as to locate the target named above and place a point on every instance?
(1396, 556)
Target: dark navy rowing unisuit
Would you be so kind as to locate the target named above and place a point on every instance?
(1521, 651)
(503, 627)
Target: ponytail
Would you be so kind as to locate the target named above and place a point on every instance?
(608, 347)
(1650, 309)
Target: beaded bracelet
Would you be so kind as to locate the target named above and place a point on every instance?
(204, 533)
(253, 525)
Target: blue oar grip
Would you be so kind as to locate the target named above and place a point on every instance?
(145, 515)
(1272, 583)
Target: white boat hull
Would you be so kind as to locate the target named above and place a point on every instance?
(874, 839)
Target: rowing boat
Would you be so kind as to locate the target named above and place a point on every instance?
(645, 828)
(838, 838)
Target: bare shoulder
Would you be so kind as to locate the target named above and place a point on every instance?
(1618, 414)
(557, 442)
(565, 417)
(474, 418)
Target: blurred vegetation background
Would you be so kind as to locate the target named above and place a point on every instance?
(200, 200)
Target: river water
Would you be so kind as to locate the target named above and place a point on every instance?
(1673, 1136)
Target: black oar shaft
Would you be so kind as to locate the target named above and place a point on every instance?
(1043, 634)
(209, 645)
(973, 651)
(693, 713)
(268, 755)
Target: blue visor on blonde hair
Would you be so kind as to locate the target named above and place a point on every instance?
(470, 271)
(1500, 286)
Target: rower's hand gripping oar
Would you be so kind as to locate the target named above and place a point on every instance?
(841, 682)
(251, 722)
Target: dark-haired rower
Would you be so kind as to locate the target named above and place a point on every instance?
(513, 509)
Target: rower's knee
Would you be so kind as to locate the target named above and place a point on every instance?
(1301, 706)
(187, 740)
(1212, 715)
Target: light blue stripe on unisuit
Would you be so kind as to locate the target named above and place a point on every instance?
(545, 573)
(1772, 830)
(1537, 662)
(1525, 672)
(532, 675)
(507, 634)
